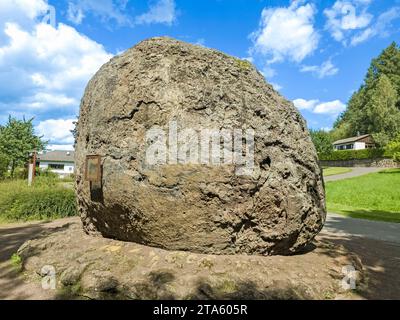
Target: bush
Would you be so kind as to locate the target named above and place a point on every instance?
(394, 148)
(20, 173)
(46, 173)
(44, 200)
(69, 178)
(354, 154)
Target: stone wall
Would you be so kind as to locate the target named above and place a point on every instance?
(379, 163)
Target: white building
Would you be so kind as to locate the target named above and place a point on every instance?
(60, 162)
(355, 143)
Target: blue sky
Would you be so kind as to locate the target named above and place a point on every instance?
(314, 52)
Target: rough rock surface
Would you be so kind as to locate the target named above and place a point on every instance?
(196, 207)
(111, 269)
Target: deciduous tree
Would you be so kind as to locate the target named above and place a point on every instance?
(17, 140)
(322, 141)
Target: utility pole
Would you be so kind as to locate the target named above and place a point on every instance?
(34, 166)
(32, 169)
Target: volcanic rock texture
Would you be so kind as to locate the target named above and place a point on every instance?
(203, 208)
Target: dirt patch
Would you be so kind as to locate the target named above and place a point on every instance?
(12, 283)
(97, 268)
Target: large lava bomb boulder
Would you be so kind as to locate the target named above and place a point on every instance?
(164, 184)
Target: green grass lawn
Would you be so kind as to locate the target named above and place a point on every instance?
(330, 171)
(374, 196)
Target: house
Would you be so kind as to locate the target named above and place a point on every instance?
(355, 143)
(60, 162)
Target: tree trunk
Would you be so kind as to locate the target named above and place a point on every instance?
(12, 169)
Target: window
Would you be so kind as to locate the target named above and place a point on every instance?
(56, 166)
(345, 147)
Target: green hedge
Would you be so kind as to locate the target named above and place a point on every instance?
(46, 199)
(354, 154)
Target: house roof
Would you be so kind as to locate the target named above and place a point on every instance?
(56, 156)
(352, 139)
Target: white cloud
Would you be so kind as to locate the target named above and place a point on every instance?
(75, 13)
(379, 28)
(64, 147)
(48, 63)
(276, 86)
(315, 106)
(41, 101)
(303, 104)
(286, 33)
(43, 68)
(268, 72)
(326, 69)
(161, 11)
(350, 22)
(365, 2)
(106, 10)
(363, 36)
(20, 10)
(333, 107)
(57, 131)
(345, 17)
(26, 13)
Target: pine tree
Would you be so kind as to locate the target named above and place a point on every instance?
(388, 63)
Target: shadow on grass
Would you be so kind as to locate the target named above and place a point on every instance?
(375, 215)
(390, 171)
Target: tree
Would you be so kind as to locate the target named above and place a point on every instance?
(382, 117)
(388, 63)
(375, 107)
(394, 148)
(17, 140)
(74, 131)
(4, 162)
(322, 141)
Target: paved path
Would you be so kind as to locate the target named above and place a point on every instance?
(345, 226)
(355, 172)
(377, 244)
